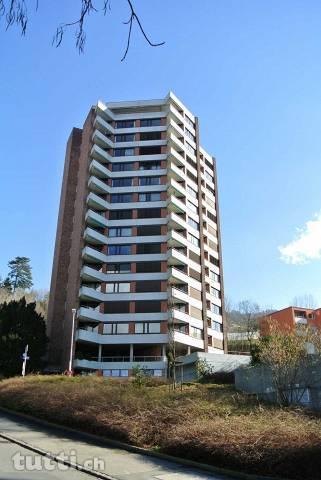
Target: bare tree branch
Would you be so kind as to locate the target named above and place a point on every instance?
(16, 12)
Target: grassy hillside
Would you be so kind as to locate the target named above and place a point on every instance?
(220, 427)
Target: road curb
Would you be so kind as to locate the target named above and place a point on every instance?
(124, 446)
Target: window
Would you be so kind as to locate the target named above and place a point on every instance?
(120, 214)
(190, 148)
(193, 224)
(118, 268)
(193, 240)
(148, 286)
(209, 164)
(120, 197)
(196, 332)
(121, 182)
(149, 197)
(192, 207)
(189, 134)
(211, 216)
(215, 309)
(144, 267)
(149, 165)
(147, 327)
(119, 249)
(189, 121)
(118, 307)
(149, 181)
(214, 277)
(208, 176)
(122, 167)
(116, 328)
(115, 373)
(124, 152)
(147, 230)
(149, 213)
(191, 191)
(150, 150)
(217, 326)
(150, 122)
(126, 137)
(216, 293)
(125, 124)
(147, 306)
(143, 248)
(117, 287)
(120, 232)
(158, 373)
(150, 136)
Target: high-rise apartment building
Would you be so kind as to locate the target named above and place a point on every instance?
(138, 250)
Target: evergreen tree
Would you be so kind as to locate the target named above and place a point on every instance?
(21, 325)
(20, 273)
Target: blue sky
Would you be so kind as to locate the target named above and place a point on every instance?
(250, 70)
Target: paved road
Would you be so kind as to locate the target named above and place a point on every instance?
(15, 461)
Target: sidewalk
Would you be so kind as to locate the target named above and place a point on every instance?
(118, 463)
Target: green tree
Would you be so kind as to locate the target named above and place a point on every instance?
(20, 325)
(20, 273)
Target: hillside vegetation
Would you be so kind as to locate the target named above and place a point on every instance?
(211, 424)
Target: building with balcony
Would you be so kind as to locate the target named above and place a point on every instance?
(138, 248)
(288, 318)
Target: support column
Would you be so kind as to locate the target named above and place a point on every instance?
(99, 352)
(131, 352)
(164, 350)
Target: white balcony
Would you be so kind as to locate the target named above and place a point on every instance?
(176, 157)
(182, 317)
(96, 202)
(93, 237)
(99, 154)
(188, 340)
(86, 314)
(91, 274)
(178, 189)
(177, 276)
(124, 339)
(95, 219)
(98, 170)
(87, 293)
(90, 255)
(175, 172)
(99, 122)
(175, 239)
(101, 140)
(174, 204)
(122, 363)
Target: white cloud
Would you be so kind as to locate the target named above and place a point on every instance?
(306, 246)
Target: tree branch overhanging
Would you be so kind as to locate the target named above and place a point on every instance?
(15, 12)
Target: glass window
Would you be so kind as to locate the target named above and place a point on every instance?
(124, 152)
(120, 197)
(192, 207)
(120, 214)
(191, 191)
(193, 239)
(115, 373)
(121, 182)
(150, 165)
(124, 373)
(119, 249)
(193, 224)
(208, 176)
(149, 181)
(158, 373)
(106, 373)
(150, 122)
(150, 136)
(149, 197)
(215, 292)
(154, 327)
(217, 326)
(122, 328)
(122, 167)
(125, 124)
(118, 268)
(190, 148)
(126, 137)
(215, 309)
(108, 328)
(139, 328)
(189, 134)
(196, 332)
(189, 121)
(117, 287)
(120, 232)
(214, 277)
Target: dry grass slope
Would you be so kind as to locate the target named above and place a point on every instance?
(225, 429)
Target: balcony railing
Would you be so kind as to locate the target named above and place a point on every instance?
(125, 359)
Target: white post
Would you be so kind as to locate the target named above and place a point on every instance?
(74, 311)
(99, 352)
(24, 363)
(131, 352)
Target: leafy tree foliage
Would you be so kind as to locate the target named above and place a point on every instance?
(20, 273)
(20, 325)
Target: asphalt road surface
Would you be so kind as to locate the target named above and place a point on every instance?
(20, 463)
